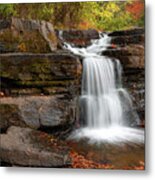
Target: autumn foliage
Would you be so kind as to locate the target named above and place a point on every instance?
(101, 15)
(136, 9)
(79, 161)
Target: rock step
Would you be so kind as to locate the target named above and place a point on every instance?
(38, 112)
(79, 38)
(130, 32)
(29, 73)
(131, 56)
(126, 40)
(31, 148)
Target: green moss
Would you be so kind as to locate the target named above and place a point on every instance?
(8, 107)
(40, 66)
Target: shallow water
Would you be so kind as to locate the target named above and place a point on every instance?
(119, 155)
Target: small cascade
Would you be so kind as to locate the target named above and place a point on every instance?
(106, 108)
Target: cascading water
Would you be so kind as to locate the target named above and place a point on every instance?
(106, 108)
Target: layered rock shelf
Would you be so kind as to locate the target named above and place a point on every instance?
(128, 47)
(27, 73)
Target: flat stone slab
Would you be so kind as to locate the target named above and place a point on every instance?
(27, 147)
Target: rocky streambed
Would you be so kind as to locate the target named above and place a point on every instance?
(40, 89)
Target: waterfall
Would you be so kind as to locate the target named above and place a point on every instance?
(100, 98)
(106, 108)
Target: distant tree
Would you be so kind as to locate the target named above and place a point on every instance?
(102, 15)
(7, 10)
(136, 9)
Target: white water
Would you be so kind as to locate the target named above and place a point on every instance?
(106, 108)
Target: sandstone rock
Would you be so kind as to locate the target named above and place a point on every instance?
(131, 56)
(38, 111)
(132, 60)
(20, 35)
(129, 49)
(27, 147)
(78, 37)
(57, 75)
(40, 73)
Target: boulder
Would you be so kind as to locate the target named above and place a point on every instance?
(27, 147)
(21, 35)
(38, 111)
(9, 115)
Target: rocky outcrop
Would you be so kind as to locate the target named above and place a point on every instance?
(31, 74)
(21, 35)
(130, 56)
(128, 47)
(126, 37)
(38, 111)
(129, 32)
(27, 147)
(78, 38)
(134, 81)
(45, 90)
(9, 115)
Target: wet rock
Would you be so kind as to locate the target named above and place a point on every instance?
(38, 111)
(27, 147)
(132, 36)
(79, 38)
(126, 40)
(20, 35)
(128, 47)
(130, 32)
(134, 81)
(133, 78)
(130, 56)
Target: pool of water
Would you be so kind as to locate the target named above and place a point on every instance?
(119, 155)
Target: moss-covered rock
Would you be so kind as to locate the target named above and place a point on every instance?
(19, 35)
(39, 71)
